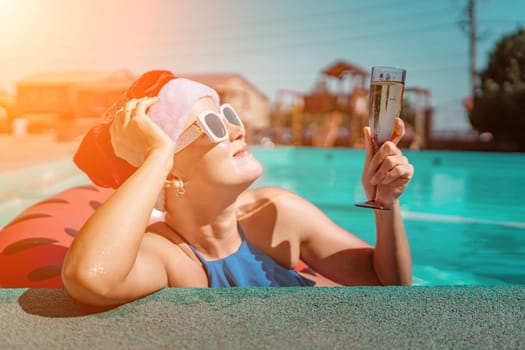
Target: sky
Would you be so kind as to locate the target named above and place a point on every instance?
(275, 44)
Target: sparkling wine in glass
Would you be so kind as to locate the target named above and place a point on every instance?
(386, 98)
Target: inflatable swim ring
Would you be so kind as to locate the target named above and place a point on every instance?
(34, 244)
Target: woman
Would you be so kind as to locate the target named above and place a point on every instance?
(215, 232)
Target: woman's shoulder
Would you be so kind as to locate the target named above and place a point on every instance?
(183, 267)
(168, 241)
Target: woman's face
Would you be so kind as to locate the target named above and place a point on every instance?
(205, 166)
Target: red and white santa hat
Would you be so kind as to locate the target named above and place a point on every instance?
(95, 155)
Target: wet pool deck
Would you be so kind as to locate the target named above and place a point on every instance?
(271, 318)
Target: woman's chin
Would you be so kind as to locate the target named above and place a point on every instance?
(250, 171)
(247, 163)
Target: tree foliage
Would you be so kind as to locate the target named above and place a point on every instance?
(506, 68)
(500, 107)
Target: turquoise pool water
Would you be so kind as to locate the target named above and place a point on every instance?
(463, 212)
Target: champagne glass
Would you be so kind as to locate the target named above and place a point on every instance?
(386, 98)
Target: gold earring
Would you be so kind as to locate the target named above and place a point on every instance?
(179, 184)
(180, 191)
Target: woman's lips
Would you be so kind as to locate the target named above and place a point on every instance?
(242, 151)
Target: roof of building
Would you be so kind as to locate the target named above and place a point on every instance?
(79, 77)
(215, 80)
(339, 68)
(122, 78)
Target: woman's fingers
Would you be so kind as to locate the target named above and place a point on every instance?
(375, 157)
(127, 111)
(401, 171)
(387, 165)
(387, 171)
(119, 116)
(133, 134)
(369, 143)
(133, 108)
(386, 150)
(398, 131)
(143, 104)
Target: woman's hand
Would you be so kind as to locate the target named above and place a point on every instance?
(134, 135)
(387, 172)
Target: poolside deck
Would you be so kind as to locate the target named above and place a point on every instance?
(271, 318)
(20, 151)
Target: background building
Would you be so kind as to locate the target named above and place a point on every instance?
(251, 104)
(68, 102)
(71, 102)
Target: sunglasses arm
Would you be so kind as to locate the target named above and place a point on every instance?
(188, 136)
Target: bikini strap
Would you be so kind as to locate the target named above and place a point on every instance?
(196, 252)
(179, 239)
(241, 232)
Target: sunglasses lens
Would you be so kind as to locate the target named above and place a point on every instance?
(231, 116)
(215, 125)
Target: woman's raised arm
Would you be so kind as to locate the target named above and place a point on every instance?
(109, 260)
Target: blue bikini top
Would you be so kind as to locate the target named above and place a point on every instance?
(249, 267)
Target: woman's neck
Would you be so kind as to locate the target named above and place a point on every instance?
(214, 234)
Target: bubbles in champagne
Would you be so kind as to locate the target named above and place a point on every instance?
(386, 99)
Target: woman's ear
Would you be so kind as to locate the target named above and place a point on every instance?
(174, 181)
(174, 174)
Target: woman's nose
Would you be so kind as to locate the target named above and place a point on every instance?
(235, 131)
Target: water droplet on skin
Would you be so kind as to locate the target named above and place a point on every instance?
(97, 270)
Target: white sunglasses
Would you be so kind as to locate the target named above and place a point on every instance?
(212, 124)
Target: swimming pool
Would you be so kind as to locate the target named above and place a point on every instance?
(463, 211)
